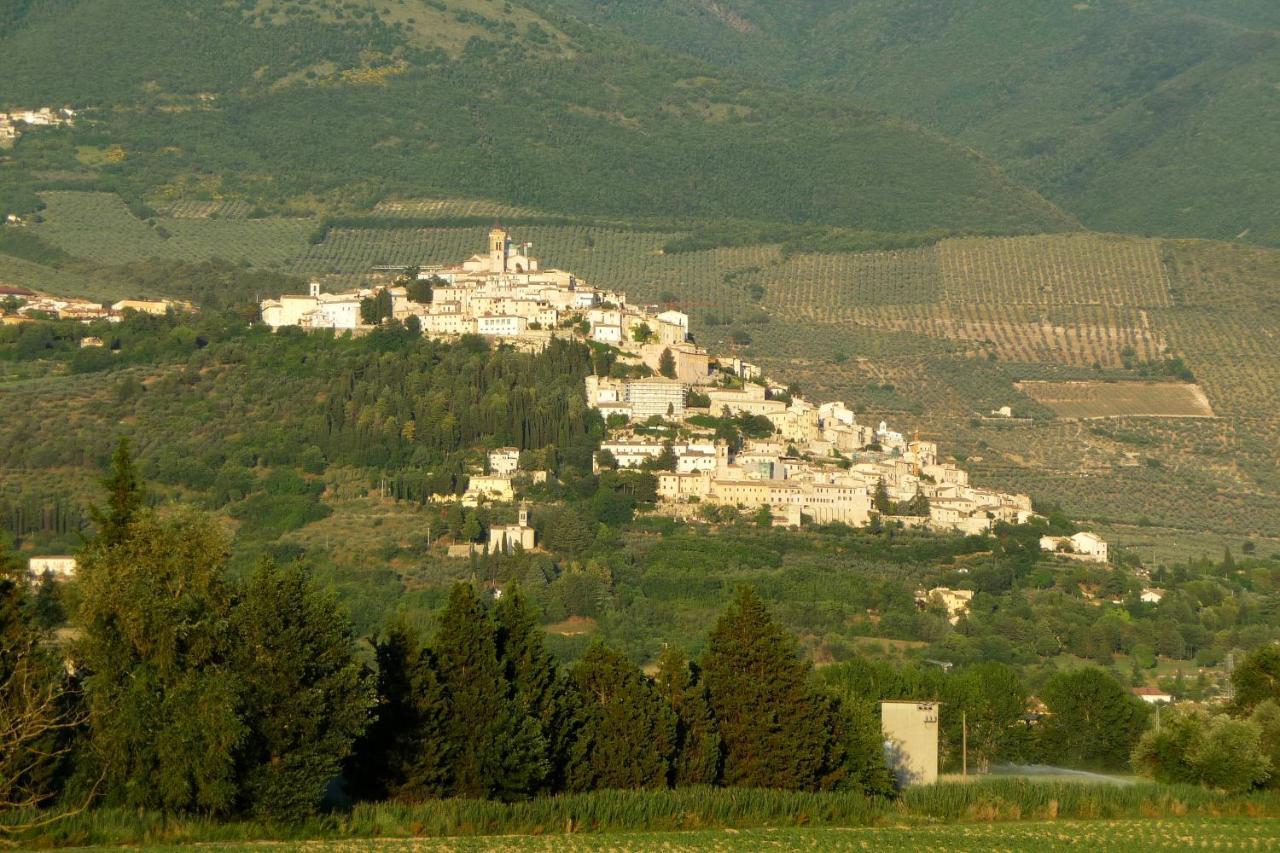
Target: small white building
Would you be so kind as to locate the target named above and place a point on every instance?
(1152, 595)
(507, 538)
(60, 568)
(504, 461)
(911, 741)
(1089, 547)
(1152, 695)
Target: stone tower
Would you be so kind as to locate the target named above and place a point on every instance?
(499, 249)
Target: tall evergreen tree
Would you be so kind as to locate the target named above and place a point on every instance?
(697, 749)
(163, 702)
(628, 732)
(880, 499)
(497, 749)
(124, 497)
(405, 754)
(777, 730)
(539, 684)
(667, 364)
(306, 697)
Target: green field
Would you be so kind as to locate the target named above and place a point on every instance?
(1118, 835)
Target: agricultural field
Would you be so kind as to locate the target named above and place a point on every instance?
(1129, 835)
(1085, 399)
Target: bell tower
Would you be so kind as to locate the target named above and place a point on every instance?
(499, 249)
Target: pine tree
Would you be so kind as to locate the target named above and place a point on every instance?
(918, 505)
(497, 749)
(778, 732)
(306, 696)
(667, 364)
(697, 749)
(405, 754)
(628, 732)
(880, 499)
(163, 701)
(124, 498)
(539, 685)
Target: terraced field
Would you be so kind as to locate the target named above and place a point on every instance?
(1085, 399)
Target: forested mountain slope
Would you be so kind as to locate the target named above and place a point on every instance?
(1136, 116)
(285, 103)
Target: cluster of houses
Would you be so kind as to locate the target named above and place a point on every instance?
(503, 294)
(13, 122)
(819, 463)
(32, 305)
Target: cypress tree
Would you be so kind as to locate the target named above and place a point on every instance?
(306, 696)
(124, 498)
(667, 364)
(777, 730)
(405, 754)
(628, 732)
(497, 749)
(697, 748)
(541, 688)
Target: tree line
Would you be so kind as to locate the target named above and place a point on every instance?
(193, 690)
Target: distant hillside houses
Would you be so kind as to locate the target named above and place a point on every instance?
(799, 478)
(67, 308)
(503, 294)
(12, 123)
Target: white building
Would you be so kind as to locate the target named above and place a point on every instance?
(59, 568)
(655, 396)
(1089, 547)
(315, 310)
(507, 538)
(504, 461)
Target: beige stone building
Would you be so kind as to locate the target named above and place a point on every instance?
(911, 740)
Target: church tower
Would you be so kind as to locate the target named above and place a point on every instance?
(499, 249)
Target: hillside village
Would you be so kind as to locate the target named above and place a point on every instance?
(667, 400)
(14, 122)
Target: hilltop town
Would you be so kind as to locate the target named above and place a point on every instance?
(719, 436)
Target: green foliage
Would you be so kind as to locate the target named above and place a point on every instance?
(208, 697)
(124, 497)
(496, 748)
(697, 755)
(777, 730)
(667, 364)
(1092, 722)
(306, 697)
(405, 754)
(162, 700)
(540, 687)
(628, 733)
(1256, 679)
(1215, 750)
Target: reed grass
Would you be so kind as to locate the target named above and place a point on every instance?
(685, 809)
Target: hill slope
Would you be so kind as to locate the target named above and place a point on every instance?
(1137, 116)
(197, 98)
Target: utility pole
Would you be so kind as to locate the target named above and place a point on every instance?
(964, 744)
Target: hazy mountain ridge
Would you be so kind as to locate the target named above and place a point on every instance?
(1137, 117)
